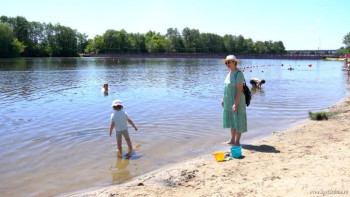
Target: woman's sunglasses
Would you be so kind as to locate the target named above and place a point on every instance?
(227, 62)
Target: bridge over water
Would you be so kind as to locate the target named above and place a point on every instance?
(322, 53)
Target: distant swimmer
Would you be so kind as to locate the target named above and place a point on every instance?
(290, 67)
(256, 83)
(105, 89)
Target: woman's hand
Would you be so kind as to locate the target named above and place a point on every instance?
(234, 108)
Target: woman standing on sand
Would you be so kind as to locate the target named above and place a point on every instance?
(234, 115)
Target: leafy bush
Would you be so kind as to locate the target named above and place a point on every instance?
(321, 115)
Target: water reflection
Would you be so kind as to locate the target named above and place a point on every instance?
(258, 91)
(119, 171)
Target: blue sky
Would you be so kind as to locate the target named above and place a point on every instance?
(300, 24)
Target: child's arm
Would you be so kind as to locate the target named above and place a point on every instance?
(111, 128)
(132, 124)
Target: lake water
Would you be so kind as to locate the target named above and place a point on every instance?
(54, 119)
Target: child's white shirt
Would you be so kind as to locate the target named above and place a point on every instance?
(120, 120)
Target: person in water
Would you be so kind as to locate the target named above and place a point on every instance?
(105, 89)
(119, 120)
(256, 83)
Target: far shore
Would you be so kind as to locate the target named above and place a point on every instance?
(203, 55)
(310, 159)
(198, 55)
(335, 59)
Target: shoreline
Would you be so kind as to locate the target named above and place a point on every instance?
(192, 56)
(308, 159)
(208, 56)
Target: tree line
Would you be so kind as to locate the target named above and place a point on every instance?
(20, 37)
(346, 42)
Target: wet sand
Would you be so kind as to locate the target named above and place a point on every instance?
(311, 159)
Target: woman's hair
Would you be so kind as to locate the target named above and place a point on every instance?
(252, 82)
(118, 107)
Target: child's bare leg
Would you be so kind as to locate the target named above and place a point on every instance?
(119, 152)
(128, 141)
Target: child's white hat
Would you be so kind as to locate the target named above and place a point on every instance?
(116, 103)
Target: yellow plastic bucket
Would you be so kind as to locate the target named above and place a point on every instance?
(219, 156)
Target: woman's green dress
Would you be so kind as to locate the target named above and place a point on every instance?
(237, 120)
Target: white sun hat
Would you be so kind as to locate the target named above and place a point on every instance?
(230, 58)
(116, 103)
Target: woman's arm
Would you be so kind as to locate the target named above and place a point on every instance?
(238, 96)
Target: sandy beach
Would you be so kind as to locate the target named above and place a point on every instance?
(311, 159)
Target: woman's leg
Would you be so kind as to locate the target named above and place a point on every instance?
(233, 134)
(238, 138)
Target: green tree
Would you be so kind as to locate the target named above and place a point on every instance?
(124, 43)
(212, 43)
(249, 46)
(95, 46)
(37, 40)
(40, 39)
(137, 43)
(111, 41)
(62, 41)
(6, 40)
(279, 47)
(18, 47)
(346, 40)
(342, 51)
(155, 42)
(241, 45)
(21, 30)
(229, 44)
(260, 48)
(192, 40)
(9, 46)
(100, 44)
(82, 42)
(90, 47)
(174, 42)
(116, 41)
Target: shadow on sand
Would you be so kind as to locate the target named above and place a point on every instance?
(261, 148)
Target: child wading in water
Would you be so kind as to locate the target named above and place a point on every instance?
(119, 121)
